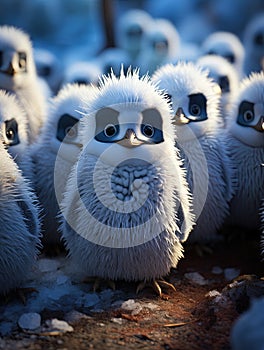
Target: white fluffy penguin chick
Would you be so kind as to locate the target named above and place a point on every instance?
(194, 99)
(82, 72)
(246, 147)
(160, 45)
(126, 208)
(227, 45)
(19, 220)
(55, 152)
(13, 129)
(18, 75)
(130, 29)
(49, 68)
(225, 75)
(112, 59)
(253, 40)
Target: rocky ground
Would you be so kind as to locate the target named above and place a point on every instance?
(212, 290)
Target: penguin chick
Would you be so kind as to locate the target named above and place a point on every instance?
(160, 45)
(130, 30)
(194, 98)
(253, 40)
(127, 207)
(82, 72)
(19, 220)
(225, 75)
(55, 152)
(112, 59)
(49, 68)
(13, 126)
(227, 45)
(18, 76)
(245, 143)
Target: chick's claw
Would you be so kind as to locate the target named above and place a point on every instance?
(156, 285)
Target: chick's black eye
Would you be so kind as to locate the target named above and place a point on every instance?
(22, 60)
(195, 109)
(248, 116)
(245, 113)
(110, 130)
(148, 130)
(11, 132)
(259, 39)
(230, 58)
(67, 128)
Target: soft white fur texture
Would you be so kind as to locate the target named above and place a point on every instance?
(246, 148)
(10, 108)
(95, 221)
(217, 67)
(20, 233)
(205, 158)
(223, 43)
(52, 159)
(25, 85)
(254, 52)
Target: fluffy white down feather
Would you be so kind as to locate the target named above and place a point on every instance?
(103, 236)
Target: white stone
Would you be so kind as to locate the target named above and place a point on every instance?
(58, 325)
(131, 305)
(213, 294)
(196, 277)
(29, 321)
(117, 320)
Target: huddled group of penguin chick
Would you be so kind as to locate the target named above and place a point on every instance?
(125, 171)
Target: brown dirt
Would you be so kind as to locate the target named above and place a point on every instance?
(185, 319)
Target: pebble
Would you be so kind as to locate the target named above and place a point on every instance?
(117, 320)
(231, 273)
(213, 293)
(58, 325)
(151, 306)
(75, 316)
(29, 321)
(196, 278)
(131, 305)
